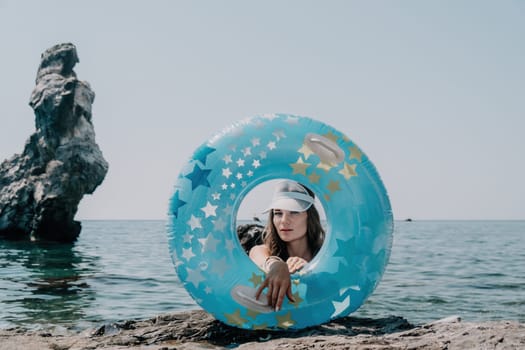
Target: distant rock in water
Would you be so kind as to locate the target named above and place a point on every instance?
(41, 188)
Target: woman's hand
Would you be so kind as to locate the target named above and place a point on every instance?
(295, 263)
(278, 283)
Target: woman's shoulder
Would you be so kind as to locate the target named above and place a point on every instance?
(260, 249)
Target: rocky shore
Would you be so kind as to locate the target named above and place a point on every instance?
(199, 330)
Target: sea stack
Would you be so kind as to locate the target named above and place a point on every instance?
(41, 188)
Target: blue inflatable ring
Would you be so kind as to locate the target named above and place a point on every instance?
(203, 243)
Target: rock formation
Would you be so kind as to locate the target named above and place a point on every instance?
(41, 188)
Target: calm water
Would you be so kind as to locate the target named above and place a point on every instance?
(121, 270)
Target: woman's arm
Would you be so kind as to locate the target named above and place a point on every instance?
(259, 254)
(277, 277)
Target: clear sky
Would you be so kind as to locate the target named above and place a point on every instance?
(432, 91)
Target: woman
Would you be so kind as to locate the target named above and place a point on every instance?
(292, 237)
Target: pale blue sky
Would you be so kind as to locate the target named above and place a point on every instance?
(432, 91)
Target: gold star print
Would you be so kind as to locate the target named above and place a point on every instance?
(331, 136)
(235, 318)
(299, 167)
(285, 321)
(306, 151)
(355, 153)
(314, 178)
(297, 299)
(327, 197)
(325, 166)
(252, 313)
(256, 279)
(302, 273)
(260, 327)
(333, 186)
(348, 170)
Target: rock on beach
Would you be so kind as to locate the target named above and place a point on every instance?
(199, 330)
(40, 189)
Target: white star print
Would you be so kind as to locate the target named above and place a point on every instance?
(227, 209)
(209, 210)
(187, 254)
(187, 238)
(194, 223)
(256, 163)
(270, 116)
(271, 145)
(209, 243)
(256, 141)
(292, 120)
(240, 162)
(226, 172)
(279, 134)
(341, 306)
(195, 277)
(227, 159)
(247, 151)
(216, 196)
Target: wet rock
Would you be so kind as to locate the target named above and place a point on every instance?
(250, 235)
(41, 188)
(198, 330)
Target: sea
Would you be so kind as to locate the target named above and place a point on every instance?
(121, 270)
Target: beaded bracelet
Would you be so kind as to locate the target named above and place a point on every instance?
(269, 260)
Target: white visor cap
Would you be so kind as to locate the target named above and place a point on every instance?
(291, 196)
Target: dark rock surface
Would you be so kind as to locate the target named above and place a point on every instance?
(41, 188)
(250, 235)
(198, 330)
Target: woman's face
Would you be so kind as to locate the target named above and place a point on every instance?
(290, 225)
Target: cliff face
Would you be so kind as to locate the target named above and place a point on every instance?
(41, 188)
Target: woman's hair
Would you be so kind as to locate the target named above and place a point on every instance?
(314, 232)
